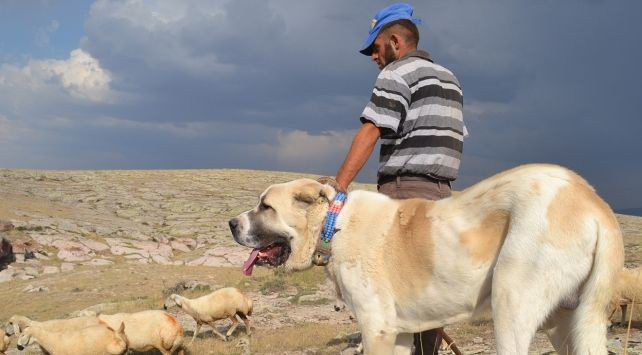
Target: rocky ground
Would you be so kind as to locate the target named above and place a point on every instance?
(60, 221)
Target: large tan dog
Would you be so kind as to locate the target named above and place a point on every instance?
(519, 242)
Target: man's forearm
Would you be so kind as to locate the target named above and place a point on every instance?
(362, 146)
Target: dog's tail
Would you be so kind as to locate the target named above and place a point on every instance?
(590, 317)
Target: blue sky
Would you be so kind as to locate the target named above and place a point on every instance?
(279, 85)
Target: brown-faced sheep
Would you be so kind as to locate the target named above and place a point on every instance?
(224, 303)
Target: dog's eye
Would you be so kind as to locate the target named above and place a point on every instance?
(263, 206)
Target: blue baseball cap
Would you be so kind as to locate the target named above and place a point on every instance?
(391, 13)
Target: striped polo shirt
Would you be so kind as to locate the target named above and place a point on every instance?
(418, 107)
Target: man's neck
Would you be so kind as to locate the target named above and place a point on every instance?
(405, 50)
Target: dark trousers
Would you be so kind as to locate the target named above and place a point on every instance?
(426, 342)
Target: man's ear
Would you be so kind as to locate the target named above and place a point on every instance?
(395, 42)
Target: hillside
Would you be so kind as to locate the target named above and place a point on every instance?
(122, 240)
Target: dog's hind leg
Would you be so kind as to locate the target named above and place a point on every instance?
(561, 324)
(590, 318)
(403, 344)
(514, 320)
(589, 326)
(522, 296)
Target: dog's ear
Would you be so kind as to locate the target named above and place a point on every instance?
(328, 180)
(311, 191)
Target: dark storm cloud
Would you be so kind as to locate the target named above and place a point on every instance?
(226, 60)
(279, 85)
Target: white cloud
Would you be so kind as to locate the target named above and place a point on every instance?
(80, 77)
(299, 147)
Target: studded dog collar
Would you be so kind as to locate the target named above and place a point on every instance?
(322, 254)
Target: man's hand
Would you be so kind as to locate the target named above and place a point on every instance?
(328, 180)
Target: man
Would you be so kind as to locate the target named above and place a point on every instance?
(416, 108)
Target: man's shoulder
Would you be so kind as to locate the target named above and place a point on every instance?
(418, 59)
(415, 62)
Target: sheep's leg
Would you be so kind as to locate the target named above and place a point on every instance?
(217, 332)
(235, 323)
(177, 348)
(246, 321)
(198, 328)
(623, 308)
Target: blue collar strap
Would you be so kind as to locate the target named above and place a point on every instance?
(321, 255)
(331, 217)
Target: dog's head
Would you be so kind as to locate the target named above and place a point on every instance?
(284, 228)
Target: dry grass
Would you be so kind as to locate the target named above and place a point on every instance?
(318, 338)
(130, 288)
(125, 285)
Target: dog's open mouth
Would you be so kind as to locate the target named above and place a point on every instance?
(272, 255)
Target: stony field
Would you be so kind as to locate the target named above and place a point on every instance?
(115, 241)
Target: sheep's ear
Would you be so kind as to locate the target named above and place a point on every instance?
(8, 329)
(177, 300)
(121, 329)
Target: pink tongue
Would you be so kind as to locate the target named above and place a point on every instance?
(249, 263)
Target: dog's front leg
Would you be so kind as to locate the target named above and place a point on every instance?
(373, 308)
(377, 342)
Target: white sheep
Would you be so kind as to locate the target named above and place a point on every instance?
(223, 303)
(17, 323)
(4, 341)
(96, 339)
(628, 291)
(147, 330)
